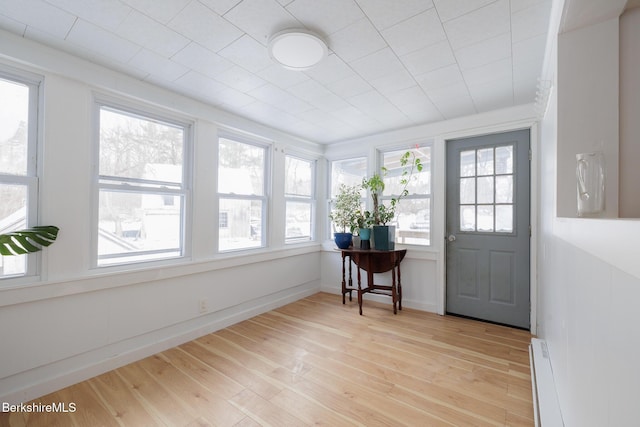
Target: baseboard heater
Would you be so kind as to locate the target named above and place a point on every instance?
(545, 399)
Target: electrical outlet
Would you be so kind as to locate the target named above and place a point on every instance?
(203, 305)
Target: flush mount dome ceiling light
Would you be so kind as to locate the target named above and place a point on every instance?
(297, 49)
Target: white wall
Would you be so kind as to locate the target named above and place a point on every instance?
(629, 107)
(78, 321)
(588, 268)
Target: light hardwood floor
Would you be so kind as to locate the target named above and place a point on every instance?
(316, 362)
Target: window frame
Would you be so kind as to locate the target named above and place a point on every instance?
(31, 179)
(265, 198)
(387, 197)
(126, 184)
(311, 200)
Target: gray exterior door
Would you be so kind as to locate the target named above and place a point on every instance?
(488, 228)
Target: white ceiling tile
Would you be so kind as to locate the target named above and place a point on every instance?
(40, 15)
(385, 13)
(196, 84)
(330, 102)
(449, 9)
(484, 52)
(354, 117)
(309, 90)
(492, 95)
(481, 24)
(519, 5)
(161, 11)
(326, 16)
(429, 58)
(261, 18)
(240, 79)
(12, 25)
(220, 6)
(268, 114)
(157, 65)
(524, 90)
(355, 41)
(377, 106)
(234, 98)
(273, 95)
(351, 86)
(202, 60)
(401, 37)
(316, 116)
(531, 22)
(378, 64)
(107, 14)
(98, 39)
(441, 77)
(282, 77)
(530, 52)
(498, 70)
(247, 53)
(394, 82)
(452, 101)
(200, 24)
(148, 33)
(331, 69)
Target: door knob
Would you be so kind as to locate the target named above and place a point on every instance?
(451, 238)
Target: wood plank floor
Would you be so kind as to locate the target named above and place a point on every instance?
(316, 362)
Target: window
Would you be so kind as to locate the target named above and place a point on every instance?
(242, 193)
(413, 213)
(18, 171)
(348, 172)
(486, 189)
(299, 197)
(142, 186)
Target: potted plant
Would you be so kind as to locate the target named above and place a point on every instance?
(26, 241)
(383, 234)
(365, 221)
(344, 214)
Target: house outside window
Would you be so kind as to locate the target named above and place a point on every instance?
(413, 213)
(242, 192)
(300, 199)
(142, 186)
(19, 98)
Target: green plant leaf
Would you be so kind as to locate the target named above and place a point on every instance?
(29, 240)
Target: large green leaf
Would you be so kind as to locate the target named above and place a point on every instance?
(28, 240)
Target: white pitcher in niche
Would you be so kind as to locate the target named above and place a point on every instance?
(590, 175)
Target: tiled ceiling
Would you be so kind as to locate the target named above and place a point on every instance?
(391, 64)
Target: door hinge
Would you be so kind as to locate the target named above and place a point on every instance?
(529, 230)
(530, 155)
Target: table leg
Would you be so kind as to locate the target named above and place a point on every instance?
(344, 287)
(359, 291)
(394, 294)
(399, 289)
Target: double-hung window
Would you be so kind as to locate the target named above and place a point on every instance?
(18, 169)
(349, 172)
(413, 212)
(299, 198)
(242, 194)
(143, 170)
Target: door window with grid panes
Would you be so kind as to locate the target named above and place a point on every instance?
(486, 190)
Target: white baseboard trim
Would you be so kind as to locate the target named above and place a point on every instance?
(545, 398)
(29, 385)
(408, 303)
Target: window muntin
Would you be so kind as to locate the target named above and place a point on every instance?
(487, 190)
(413, 213)
(242, 192)
(142, 186)
(18, 170)
(299, 198)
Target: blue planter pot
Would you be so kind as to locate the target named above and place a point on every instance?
(343, 240)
